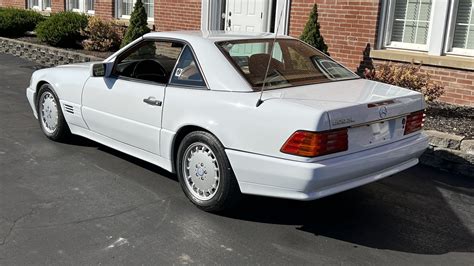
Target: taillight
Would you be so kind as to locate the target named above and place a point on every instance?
(312, 144)
(414, 122)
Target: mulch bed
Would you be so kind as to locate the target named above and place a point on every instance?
(35, 40)
(454, 119)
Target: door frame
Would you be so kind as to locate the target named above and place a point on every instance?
(211, 15)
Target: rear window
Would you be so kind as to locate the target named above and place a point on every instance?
(292, 63)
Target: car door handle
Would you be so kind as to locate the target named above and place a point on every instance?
(152, 101)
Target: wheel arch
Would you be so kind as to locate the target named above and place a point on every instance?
(179, 136)
(37, 91)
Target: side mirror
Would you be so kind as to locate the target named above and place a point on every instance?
(101, 69)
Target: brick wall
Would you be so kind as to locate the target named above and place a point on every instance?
(58, 5)
(177, 15)
(105, 8)
(348, 26)
(458, 84)
(13, 3)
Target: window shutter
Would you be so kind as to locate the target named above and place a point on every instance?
(411, 21)
(464, 30)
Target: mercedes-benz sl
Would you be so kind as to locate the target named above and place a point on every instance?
(235, 114)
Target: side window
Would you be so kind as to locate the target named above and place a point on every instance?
(150, 60)
(187, 71)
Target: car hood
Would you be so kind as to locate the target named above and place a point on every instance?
(352, 102)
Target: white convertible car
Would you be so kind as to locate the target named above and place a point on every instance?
(189, 102)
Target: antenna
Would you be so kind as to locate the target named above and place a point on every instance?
(259, 102)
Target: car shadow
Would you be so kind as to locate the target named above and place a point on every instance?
(408, 212)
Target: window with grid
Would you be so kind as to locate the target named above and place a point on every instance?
(74, 4)
(126, 7)
(46, 4)
(40, 4)
(34, 3)
(463, 37)
(89, 5)
(436, 27)
(411, 21)
(83, 6)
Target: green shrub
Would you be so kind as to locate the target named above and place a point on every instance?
(102, 35)
(406, 76)
(311, 33)
(15, 22)
(138, 24)
(62, 29)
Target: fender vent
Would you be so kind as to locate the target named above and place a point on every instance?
(69, 108)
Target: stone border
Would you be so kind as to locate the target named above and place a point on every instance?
(42, 54)
(446, 152)
(450, 153)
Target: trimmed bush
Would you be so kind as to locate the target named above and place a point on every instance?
(15, 22)
(406, 76)
(311, 33)
(102, 35)
(62, 29)
(138, 24)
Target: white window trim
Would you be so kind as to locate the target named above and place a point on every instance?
(449, 49)
(118, 9)
(81, 9)
(440, 34)
(388, 18)
(40, 7)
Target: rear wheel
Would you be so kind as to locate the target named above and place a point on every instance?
(50, 116)
(205, 174)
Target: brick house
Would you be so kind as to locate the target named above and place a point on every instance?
(359, 33)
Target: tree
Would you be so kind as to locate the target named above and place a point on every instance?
(311, 33)
(138, 24)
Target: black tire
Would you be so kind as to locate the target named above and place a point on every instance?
(227, 194)
(61, 131)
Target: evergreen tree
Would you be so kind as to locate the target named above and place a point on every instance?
(138, 24)
(311, 33)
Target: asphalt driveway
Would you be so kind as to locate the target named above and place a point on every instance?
(83, 203)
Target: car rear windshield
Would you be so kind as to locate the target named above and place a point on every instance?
(293, 63)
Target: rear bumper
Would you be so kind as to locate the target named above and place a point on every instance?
(274, 177)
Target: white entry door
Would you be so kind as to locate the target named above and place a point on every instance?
(247, 15)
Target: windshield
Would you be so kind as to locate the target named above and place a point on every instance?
(293, 63)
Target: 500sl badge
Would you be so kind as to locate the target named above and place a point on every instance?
(341, 121)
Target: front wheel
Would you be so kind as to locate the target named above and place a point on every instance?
(50, 116)
(205, 173)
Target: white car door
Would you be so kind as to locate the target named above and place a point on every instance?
(127, 105)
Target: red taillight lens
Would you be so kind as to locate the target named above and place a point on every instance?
(312, 144)
(414, 122)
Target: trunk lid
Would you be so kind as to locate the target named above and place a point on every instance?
(353, 102)
(374, 113)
